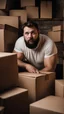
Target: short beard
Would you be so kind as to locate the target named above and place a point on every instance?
(32, 46)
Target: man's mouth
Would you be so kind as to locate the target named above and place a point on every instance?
(31, 41)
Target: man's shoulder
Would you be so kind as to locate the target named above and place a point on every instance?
(48, 42)
(20, 39)
(45, 38)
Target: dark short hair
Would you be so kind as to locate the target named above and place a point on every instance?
(30, 24)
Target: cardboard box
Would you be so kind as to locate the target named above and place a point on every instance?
(48, 105)
(21, 13)
(57, 28)
(8, 37)
(3, 4)
(46, 9)
(8, 71)
(25, 3)
(38, 85)
(32, 12)
(6, 4)
(10, 20)
(59, 88)
(15, 101)
(58, 33)
(56, 36)
(1, 110)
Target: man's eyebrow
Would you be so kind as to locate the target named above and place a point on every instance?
(29, 32)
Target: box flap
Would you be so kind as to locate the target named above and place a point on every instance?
(32, 75)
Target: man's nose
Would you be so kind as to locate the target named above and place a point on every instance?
(30, 35)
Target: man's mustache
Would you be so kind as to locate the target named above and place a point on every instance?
(31, 40)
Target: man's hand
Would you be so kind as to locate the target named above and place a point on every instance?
(31, 68)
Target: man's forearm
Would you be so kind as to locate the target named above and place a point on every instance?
(27, 66)
(21, 63)
(47, 69)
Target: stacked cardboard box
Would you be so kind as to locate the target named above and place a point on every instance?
(32, 12)
(56, 34)
(3, 7)
(6, 4)
(21, 13)
(50, 104)
(25, 3)
(10, 20)
(8, 71)
(46, 9)
(15, 101)
(8, 36)
(13, 98)
(38, 85)
(3, 4)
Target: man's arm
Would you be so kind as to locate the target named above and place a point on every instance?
(20, 57)
(22, 64)
(50, 64)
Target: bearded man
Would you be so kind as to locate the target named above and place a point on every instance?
(35, 52)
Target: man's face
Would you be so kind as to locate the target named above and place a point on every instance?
(31, 37)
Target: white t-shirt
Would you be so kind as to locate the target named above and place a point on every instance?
(45, 48)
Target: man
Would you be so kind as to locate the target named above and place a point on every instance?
(35, 52)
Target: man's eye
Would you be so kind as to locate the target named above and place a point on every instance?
(26, 33)
(33, 32)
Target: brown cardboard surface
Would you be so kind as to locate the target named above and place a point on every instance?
(48, 105)
(27, 3)
(3, 4)
(46, 9)
(57, 28)
(8, 70)
(15, 101)
(32, 12)
(10, 20)
(21, 13)
(38, 85)
(6, 4)
(8, 37)
(59, 88)
(56, 36)
(1, 110)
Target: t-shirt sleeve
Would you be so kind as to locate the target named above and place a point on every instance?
(18, 45)
(50, 49)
